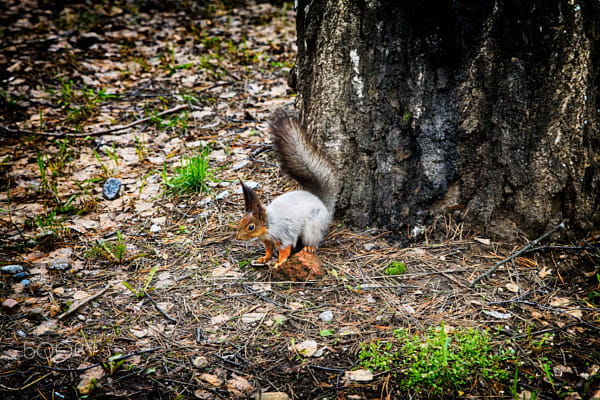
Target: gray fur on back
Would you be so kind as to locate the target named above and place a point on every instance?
(298, 214)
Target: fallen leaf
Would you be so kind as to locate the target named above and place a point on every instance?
(514, 288)
(272, 396)
(219, 319)
(359, 375)
(238, 385)
(44, 327)
(210, 379)
(483, 241)
(307, 348)
(559, 302)
(89, 380)
(252, 317)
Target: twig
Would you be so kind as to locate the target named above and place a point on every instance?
(83, 302)
(95, 133)
(518, 253)
(134, 123)
(261, 296)
(159, 308)
(26, 386)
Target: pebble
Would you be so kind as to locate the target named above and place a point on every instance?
(26, 282)
(12, 269)
(60, 264)
(81, 317)
(240, 165)
(200, 362)
(326, 316)
(224, 194)
(369, 246)
(155, 228)
(111, 188)
(10, 303)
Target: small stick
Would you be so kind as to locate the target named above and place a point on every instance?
(160, 310)
(83, 302)
(96, 133)
(518, 253)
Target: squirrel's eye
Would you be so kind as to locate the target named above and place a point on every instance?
(251, 227)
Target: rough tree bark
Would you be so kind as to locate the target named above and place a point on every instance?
(487, 110)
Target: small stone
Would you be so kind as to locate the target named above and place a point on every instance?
(155, 228)
(81, 317)
(200, 362)
(111, 188)
(369, 246)
(20, 275)
(36, 313)
(10, 303)
(223, 195)
(60, 264)
(26, 282)
(12, 269)
(326, 316)
(21, 333)
(239, 165)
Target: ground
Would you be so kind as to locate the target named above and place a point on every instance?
(149, 295)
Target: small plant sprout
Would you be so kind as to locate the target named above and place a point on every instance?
(139, 293)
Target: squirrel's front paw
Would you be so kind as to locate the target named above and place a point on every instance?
(260, 261)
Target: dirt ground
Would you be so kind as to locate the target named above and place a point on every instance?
(149, 295)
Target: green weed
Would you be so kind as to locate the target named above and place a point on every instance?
(395, 268)
(141, 292)
(51, 222)
(436, 362)
(113, 251)
(192, 175)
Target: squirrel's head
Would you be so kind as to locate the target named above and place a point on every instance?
(254, 222)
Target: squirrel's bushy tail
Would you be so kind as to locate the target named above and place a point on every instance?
(301, 160)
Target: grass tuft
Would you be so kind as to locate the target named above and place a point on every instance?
(192, 176)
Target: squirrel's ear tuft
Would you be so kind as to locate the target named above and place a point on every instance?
(252, 203)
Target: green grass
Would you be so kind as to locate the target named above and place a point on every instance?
(395, 268)
(192, 175)
(435, 362)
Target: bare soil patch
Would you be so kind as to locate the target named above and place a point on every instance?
(149, 295)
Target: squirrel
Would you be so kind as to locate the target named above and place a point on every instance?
(297, 219)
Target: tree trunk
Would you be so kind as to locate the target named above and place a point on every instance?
(486, 110)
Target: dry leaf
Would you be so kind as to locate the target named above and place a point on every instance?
(90, 380)
(483, 241)
(307, 348)
(210, 379)
(512, 287)
(359, 375)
